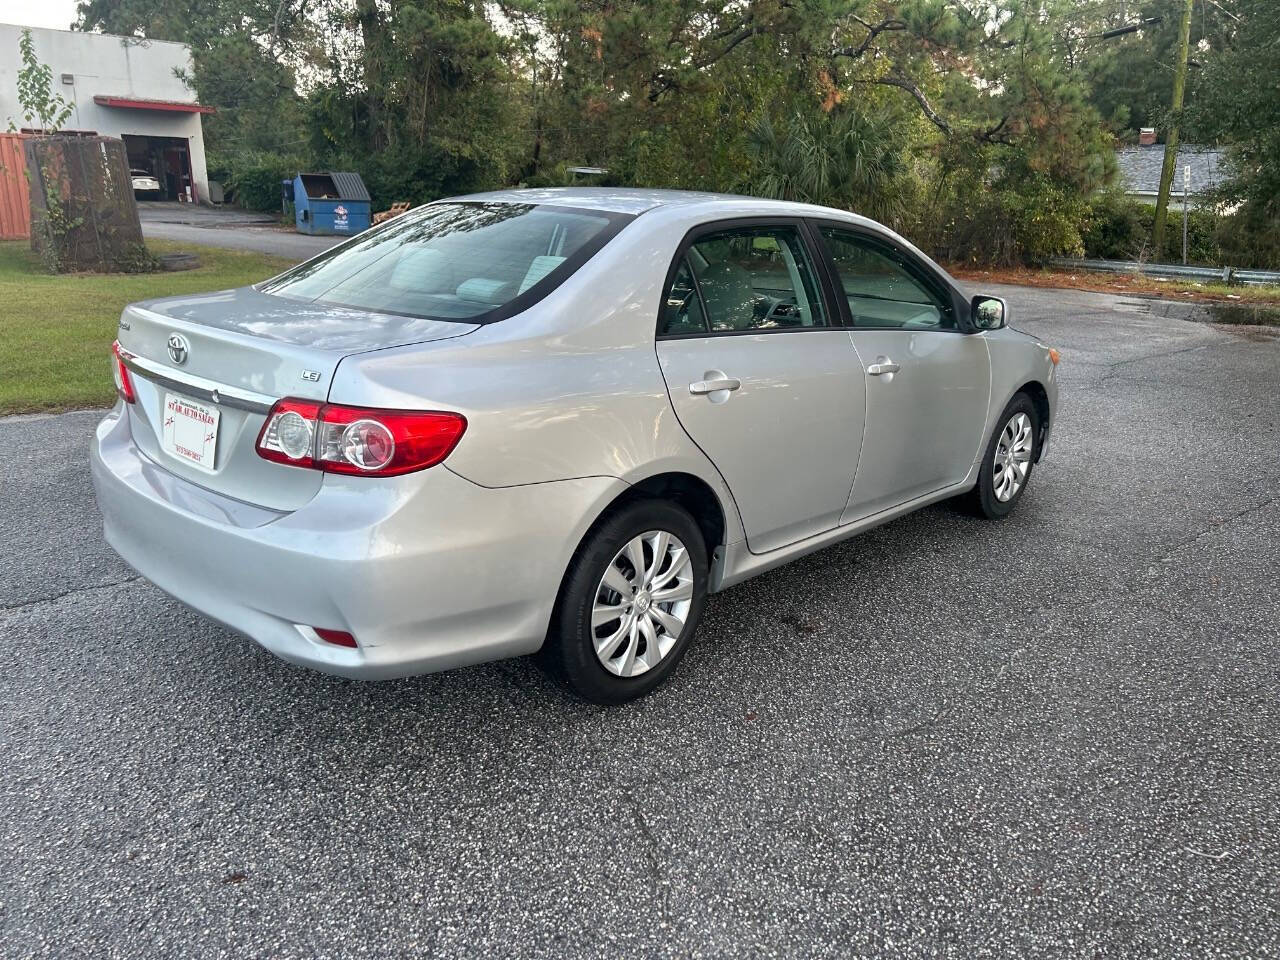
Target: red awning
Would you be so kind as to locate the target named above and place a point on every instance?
(134, 103)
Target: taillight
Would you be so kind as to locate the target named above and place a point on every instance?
(289, 435)
(342, 439)
(385, 442)
(124, 386)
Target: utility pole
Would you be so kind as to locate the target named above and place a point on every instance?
(1171, 140)
(1186, 191)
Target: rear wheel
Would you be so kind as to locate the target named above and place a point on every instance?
(632, 600)
(1009, 459)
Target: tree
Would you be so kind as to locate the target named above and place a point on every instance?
(408, 92)
(1171, 135)
(1241, 104)
(245, 54)
(1130, 75)
(848, 156)
(42, 109)
(909, 110)
(418, 95)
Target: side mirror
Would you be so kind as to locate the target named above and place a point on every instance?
(988, 313)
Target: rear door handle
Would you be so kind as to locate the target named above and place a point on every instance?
(700, 387)
(882, 366)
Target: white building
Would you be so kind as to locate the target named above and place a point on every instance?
(119, 87)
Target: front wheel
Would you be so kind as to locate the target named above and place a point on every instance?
(631, 601)
(1009, 459)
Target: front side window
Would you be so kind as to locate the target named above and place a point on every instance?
(882, 290)
(744, 279)
(453, 261)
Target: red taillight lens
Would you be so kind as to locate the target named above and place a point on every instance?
(385, 442)
(356, 440)
(124, 386)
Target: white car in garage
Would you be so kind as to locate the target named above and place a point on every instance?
(145, 185)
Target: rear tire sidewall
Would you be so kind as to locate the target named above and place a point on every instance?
(569, 651)
(986, 500)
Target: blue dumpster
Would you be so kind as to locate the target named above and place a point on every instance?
(330, 203)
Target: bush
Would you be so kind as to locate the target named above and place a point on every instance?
(1005, 227)
(1115, 229)
(1118, 228)
(1249, 239)
(417, 174)
(253, 179)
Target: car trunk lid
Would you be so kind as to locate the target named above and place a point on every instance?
(222, 359)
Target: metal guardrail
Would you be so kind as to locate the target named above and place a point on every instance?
(1174, 270)
(1256, 277)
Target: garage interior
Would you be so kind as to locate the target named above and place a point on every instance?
(166, 158)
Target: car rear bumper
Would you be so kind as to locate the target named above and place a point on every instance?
(428, 571)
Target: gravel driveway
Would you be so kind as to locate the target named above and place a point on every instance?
(1054, 736)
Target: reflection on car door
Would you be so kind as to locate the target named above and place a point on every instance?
(762, 381)
(928, 384)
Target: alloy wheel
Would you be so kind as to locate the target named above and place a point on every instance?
(641, 603)
(1012, 458)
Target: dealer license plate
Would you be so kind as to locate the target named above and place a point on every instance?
(190, 431)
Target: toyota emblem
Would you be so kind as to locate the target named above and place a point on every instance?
(178, 348)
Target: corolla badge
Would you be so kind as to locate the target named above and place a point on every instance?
(179, 349)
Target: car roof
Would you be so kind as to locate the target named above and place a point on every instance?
(636, 200)
(686, 206)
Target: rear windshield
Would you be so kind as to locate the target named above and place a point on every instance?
(454, 261)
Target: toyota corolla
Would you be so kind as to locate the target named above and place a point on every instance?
(552, 420)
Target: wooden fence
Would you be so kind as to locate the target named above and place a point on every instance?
(15, 198)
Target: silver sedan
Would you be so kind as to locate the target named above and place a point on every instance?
(555, 421)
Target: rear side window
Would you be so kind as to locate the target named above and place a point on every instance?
(682, 310)
(455, 261)
(743, 279)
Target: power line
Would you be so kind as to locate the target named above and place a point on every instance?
(1225, 10)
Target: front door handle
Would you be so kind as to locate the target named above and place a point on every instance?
(700, 387)
(882, 366)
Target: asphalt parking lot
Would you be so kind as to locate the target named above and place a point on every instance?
(227, 227)
(1058, 735)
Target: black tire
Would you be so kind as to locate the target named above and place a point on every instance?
(569, 652)
(983, 499)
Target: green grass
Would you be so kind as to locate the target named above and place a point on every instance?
(56, 331)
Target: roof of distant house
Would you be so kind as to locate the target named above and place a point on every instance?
(1140, 168)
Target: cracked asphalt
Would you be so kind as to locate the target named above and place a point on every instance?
(1058, 735)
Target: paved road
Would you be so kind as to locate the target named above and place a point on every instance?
(227, 227)
(1053, 736)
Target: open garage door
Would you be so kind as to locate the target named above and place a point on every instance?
(168, 159)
